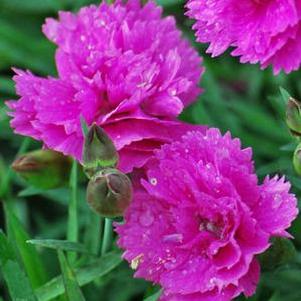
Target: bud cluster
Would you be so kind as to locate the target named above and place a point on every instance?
(109, 191)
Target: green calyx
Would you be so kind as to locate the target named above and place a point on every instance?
(293, 116)
(109, 192)
(45, 169)
(99, 151)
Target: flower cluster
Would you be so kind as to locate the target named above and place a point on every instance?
(264, 31)
(202, 219)
(198, 217)
(121, 66)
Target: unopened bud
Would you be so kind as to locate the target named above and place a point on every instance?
(44, 169)
(99, 151)
(293, 116)
(297, 159)
(109, 192)
(281, 252)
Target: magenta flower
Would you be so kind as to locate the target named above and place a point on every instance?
(261, 31)
(122, 66)
(202, 219)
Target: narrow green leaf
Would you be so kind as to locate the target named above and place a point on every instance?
(57, 244)
(276, 297)
(93, 229)
(6, 85)
(259, 120)
(153, 297)
(31, 259)
(169, 2)
(30, 191)
(84, 125)
(72, 288)
(17, 282)
(290, 147)
(285, 95)
(13, 50)
(85, 275)
(33, 6)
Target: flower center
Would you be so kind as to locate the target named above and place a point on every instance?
(209, 226)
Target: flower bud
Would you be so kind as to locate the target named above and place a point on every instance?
(99, 151)
(281, 252)
(297, 159)
(293, 116)
(109, 192)
(44, 169)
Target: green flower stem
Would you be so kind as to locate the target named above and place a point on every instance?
(72, 227)
(95, 229)
(92, 235)
(107, 236)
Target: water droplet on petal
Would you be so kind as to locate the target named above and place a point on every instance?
(146, 219)
(212, 282)
(153, 181)
(171, 264)
(218, 179)
(176, 237)
(277, 201)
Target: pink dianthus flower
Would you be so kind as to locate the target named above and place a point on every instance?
(202, 219)
(122, 66)
(261, 31)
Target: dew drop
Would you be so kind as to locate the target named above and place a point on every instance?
(212, 282)
(218, 179)
(102, 23)
(170, 264)
(176, 237)
(277, 201)
(146, 219)
(153, 181)
(173, 92)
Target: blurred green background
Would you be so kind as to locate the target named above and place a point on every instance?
(239, 98)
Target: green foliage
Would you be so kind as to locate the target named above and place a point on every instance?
(16, 280)
(95, 270)
(31, 259)
(237, 98)
(153, 297)
(56, 244)
(280, 253)
(72, 289)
